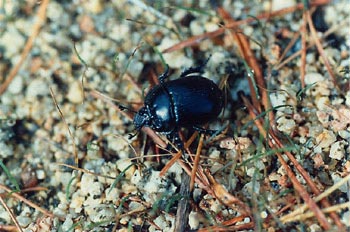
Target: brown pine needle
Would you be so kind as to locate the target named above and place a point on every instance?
(41, 18)
(320, 48)
(196, 162)
(24, 200)
(14, 219)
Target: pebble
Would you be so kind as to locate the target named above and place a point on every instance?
(345, 134)
(251, 188)
(263, 214)
(322, 103)
(278, 5)
(315, 228)
(40, 174)
(6, 150)
(12, 40)
(55, 11)
(75, 93)
(311, 78)
(67, 224)
(112, 194)
(176, 60)
(16, 85)
(93, 6)
(24, 221)
(336, 178)
(337, 151)
(345, 219)
(104, 213)
(193, 220)
(89, 186)
(325, 139)
(77, 202)
(125, 165)
(37, 87)
(347, 98)
(196, 28)
(286, 125)
(154, 182)
(278, 99)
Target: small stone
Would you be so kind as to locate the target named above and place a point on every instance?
(196, 28)
(94, 6)
(161, 222)
(117, 143)
(86, 184)
(240, 144)
(136, 178)
(347, 98)
(40, 174)
(55, 11)
(24, 221)
(77, 202)
(75, 93)
(337, 151)
(315, 228)
(153, 184)
(341, 118)
(336, 178)
(193, 220)
(6, 150)
(251, 188)
(345, 218)
(16, 85)
(174, 59)
(311, 78)
(68, 223)
(325, 139)
(126, 166)
(124, 221)
(322, 103)
(37, 87)
(345, 134)
(103, 213)
(112, 194)
(286, 125)
(12, 40)
(278, 5)
(136, 206)
(263, 214)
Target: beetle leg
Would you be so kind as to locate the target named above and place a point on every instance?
(175, 137)
(204, 131)
(164, 75)
(197, 69)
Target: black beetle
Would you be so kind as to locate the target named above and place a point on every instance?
(189, 102)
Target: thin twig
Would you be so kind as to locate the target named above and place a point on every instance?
(31, 204)
(14, 219)
(69, 131)
(320, 48)
(303, 51)
(196, 162)
(183, 210)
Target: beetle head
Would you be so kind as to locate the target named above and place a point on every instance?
(141, 119)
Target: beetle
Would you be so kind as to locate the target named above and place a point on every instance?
(187, 102)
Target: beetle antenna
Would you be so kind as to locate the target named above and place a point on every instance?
(197, 69)
(122, 108)
(133, 135)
